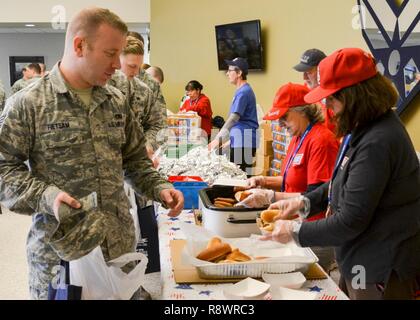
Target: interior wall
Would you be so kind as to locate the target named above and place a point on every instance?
(48, 45)
(45, 11)
(183, 43)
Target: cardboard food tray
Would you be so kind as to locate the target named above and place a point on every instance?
(188, 273)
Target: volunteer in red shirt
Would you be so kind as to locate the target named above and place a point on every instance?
(198, 102)
(309, 161)
(311, 154)
(308, 65)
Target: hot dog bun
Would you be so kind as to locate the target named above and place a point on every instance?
(242, 195)
(215, 252)
(267, 216)
(229, 200)
(269, 227)
(238, 256)
(223, 203)
(214, 242)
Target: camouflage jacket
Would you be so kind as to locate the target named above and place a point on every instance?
(74, 148)
(143, 103)
(18, 85)
(155, 87)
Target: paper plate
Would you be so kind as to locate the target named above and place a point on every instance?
(294, 280)
(280, 293)
(247, 289)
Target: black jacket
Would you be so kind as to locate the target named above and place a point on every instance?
(375, 204)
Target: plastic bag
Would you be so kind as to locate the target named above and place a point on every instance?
(106, 281)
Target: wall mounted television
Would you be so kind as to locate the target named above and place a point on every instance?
(241, 39)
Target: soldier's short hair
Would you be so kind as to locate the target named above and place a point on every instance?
(157, 73)
(35, 67)
(134, 46)
(136, 35)
(88, 21)
(42, 66)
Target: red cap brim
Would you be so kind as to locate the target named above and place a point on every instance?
(275, 113)
(318, 94)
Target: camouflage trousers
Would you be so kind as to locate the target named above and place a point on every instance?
(41, 273)
(44, 263)
(40, 256)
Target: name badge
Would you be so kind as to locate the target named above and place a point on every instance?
(298, 159)
(344, 162)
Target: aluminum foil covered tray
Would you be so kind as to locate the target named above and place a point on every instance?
(200, 162)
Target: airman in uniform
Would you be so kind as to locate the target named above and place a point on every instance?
(140, 96)
(80, 138)
(148, 79)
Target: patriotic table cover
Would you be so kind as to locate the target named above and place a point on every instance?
(169, 230)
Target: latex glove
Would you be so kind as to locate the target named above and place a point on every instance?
(283, 231)
(255, 182)
(213, 145)
(257, 199)
(289, 208)
(174, 200)
(226, 145)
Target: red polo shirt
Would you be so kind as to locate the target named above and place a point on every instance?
(313, 163)
(203, 108)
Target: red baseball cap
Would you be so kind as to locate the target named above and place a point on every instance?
(288, 96)
(340, 70)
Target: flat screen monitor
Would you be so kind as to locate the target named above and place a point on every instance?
(241, 39)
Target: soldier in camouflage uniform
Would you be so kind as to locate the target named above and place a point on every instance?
(148, 79)
(149, 111)
(141, 101)
(35, 74)
(19, 84)
(131, 61)
(77, 144)
(31, 73)
(155, 87)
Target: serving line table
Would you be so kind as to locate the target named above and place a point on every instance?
(169, 229)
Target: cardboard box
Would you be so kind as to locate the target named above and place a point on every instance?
(265, 148)
(280, 147)
(279, 156)
(276, 164)
(275, 172)
(263, 161)
(265, 131)
(259, 171)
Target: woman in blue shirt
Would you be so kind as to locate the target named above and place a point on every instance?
(242, 123)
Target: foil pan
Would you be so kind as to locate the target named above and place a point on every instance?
(200, 162)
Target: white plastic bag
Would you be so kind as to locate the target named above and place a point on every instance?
(106, 281)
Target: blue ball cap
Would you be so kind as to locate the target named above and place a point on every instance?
(241, 63)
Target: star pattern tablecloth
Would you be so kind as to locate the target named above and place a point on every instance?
(169, 229)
